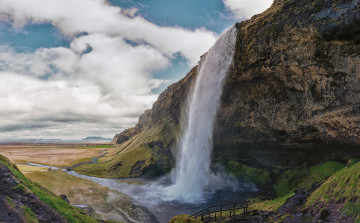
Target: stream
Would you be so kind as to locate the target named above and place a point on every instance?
(150, 194)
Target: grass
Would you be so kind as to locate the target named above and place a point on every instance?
(128, 159)
(183, 218)
(20, 187)
(29, 215)
(97, 146)
(81, 191)
(134, 150)
(70, 213)
(269, 205)
(63, 155)
(10, 202)
(27, 168)
(343, 188)
(294, 179)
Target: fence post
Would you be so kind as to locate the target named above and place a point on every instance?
(220, 211)
(215, 216)
(202, 217)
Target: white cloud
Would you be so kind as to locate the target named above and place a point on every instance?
(73, 17)
(103, 79)
(245, 9)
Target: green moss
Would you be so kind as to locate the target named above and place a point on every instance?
(20, 187)
(10, 202)
(29, 215)
(269, 205)
(255, 175)
(294, 179)
(352, 162)
(184, 218)
(343, 187)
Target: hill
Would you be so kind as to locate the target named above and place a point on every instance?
(22, 200)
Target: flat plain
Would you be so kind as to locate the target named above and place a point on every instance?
(57, 154)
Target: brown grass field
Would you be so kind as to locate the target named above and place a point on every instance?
(60, 155)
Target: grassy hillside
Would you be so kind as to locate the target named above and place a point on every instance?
(339, 194)
(146, 153)
(24, 187)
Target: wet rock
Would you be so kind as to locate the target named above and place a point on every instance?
(135, 169)
(64, 197)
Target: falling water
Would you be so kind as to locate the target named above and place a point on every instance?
(192, 174)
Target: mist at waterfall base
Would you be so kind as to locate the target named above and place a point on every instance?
(192, 185)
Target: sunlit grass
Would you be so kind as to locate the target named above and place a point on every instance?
(27, 168)
(343, 188)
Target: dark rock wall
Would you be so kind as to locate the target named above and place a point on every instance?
(13, 199)
(293, 92)
(292, 95)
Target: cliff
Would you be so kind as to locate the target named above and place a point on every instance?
(291, 98)
(21, 200)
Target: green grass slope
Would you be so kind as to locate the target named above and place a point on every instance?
(70, 213)
(340, 193)
(146, 152)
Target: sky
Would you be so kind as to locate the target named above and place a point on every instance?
(76, 68)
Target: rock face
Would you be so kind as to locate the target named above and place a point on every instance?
(291, 98)
(18, 204)
(22, 200)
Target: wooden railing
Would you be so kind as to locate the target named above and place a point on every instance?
(224, 212)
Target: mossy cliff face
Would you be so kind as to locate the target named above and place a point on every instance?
(290, 99)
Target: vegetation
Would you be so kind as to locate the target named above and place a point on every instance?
(97, 146)
(59, 155)
(342, 188)
(294, 179)
(72, 214)
(10, 202)
(184, 218)
(29, 215)
(127, 159)
(104, 201)
(28, 168)
(255, 175)
(120, 162)
(269, 205)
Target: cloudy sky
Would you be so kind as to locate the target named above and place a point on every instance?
(76, 68)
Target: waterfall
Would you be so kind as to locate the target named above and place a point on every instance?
(192, 173)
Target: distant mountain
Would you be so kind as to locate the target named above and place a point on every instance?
(96, 139)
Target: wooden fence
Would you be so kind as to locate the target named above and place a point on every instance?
(232, 212)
